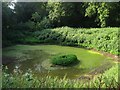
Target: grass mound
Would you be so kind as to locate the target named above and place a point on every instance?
(64, 60)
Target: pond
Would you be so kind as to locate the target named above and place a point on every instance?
(36, 58)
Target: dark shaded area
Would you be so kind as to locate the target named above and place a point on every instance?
(7, 60)
(41, 15)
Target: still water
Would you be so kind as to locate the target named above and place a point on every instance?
(37, 57)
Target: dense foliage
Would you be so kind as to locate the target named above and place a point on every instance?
(109, 79)
(55, 14)
(104, 39)
(64, 60)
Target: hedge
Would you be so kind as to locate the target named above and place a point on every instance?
(104, 39)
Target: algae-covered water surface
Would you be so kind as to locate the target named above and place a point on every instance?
(37, 57)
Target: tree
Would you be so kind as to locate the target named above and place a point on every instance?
(66, 14)
(114, 14)
(8, 16)
(100, 10)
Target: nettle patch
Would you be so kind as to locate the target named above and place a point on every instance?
(106, 38)
(64, 60)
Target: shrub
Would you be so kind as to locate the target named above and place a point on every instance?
(64, 60)
(103, 39)
(30, 40)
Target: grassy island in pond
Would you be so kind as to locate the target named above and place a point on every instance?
(64, 60)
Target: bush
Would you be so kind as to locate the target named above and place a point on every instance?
(103, 39)
(64, 60)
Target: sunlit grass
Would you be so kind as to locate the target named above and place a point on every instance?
(94, 52)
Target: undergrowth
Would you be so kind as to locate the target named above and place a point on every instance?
(109, 79)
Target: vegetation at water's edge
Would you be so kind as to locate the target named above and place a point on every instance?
(109, 79)
(104, 39)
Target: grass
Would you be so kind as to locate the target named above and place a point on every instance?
(109, 79)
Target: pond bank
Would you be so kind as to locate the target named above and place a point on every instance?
(96, 72)
(113, 56)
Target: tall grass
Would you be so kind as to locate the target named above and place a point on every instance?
(109, 79)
